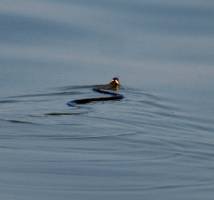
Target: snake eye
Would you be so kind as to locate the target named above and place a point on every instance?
(117, 82)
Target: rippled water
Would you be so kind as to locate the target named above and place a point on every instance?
(156, 143)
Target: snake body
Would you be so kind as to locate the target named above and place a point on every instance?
(104, 90)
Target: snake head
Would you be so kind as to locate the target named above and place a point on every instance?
(115, 83)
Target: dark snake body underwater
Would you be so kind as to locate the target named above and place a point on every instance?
(109, 89)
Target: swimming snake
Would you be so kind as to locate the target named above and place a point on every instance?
(109, 89)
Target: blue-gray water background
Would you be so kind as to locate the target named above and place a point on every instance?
(157, 143)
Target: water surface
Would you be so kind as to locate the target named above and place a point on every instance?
(157, 143)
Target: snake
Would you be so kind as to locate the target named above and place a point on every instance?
(109, 89)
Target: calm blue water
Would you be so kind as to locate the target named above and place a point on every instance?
(157, 143)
